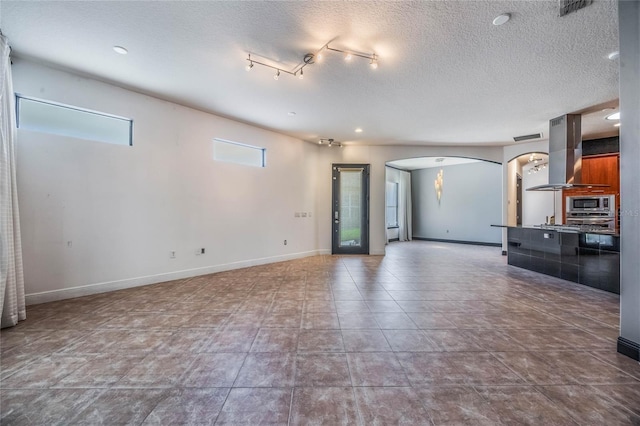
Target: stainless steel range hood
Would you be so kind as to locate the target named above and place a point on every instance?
(565, 154)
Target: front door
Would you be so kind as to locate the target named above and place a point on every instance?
(350, 212)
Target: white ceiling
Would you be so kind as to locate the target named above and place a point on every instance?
(429, 162)
(446, 74)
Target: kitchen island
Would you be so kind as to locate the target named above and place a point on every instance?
(589, 258)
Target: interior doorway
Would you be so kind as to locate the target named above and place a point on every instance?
(518, 200)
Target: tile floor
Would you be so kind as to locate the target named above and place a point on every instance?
(430, 334)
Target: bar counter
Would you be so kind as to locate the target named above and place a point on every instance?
(589, 258)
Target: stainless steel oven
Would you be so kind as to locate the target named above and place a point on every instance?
(597, 212)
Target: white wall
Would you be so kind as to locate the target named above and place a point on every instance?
(629, 15)
(97, 217)
(471, 202)
(536, 205)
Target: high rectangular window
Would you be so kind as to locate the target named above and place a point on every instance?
(239, 153)
(66, 120)
(392, 204)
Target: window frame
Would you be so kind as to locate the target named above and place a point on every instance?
(396, 185)
(20, 96)
(263, 152)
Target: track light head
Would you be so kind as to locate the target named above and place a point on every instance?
(249, 66)
(301, 76)
(373, 64)
(309, 58)
(348, 56)
(277, 76)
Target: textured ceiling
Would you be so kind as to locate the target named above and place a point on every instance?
(446, 74)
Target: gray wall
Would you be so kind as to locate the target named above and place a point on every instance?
(471, 201)
(629, 15)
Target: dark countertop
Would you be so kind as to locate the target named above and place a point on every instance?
(560, 228)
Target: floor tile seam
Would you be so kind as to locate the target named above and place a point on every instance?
(591, 353)
(555, 315)
(609, 398)
(558, 405)
(495, 357)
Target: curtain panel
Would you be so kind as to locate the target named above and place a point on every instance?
(12, 300)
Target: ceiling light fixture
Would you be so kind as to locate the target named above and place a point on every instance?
(329, 142)
(358, 130)
(613, 55)
(277, 76)
(616, 125)
(538, 164)
(501, 19)
(121, 50)
(614, 116)
(311, 58)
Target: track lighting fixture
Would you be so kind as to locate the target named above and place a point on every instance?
(329, 142)
(374, 62)
(538, 163)
(311, 58)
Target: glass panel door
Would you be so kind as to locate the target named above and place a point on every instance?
(350, 208)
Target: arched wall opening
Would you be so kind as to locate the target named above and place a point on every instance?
(528, 207)
(452, 198)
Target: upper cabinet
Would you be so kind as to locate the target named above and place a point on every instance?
(602, 169)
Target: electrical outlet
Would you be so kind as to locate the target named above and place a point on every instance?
(202, 251)
(172, 255)
(304, 214)
(285, 242)
(296, 214)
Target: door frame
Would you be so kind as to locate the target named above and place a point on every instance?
(335, 200)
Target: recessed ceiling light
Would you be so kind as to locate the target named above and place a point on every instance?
(501, 19)
(358, 130)
(291, 113)
(121, 50)
(616, 125)
(614, 116)
(613, 55)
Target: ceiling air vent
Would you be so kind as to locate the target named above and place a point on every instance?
(527, 137)
(568, 6)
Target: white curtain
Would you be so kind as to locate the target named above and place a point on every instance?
(404, 207)
(11, 273)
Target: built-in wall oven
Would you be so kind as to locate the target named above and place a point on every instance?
(593, 211)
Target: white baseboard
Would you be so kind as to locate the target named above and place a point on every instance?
(89, 289)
